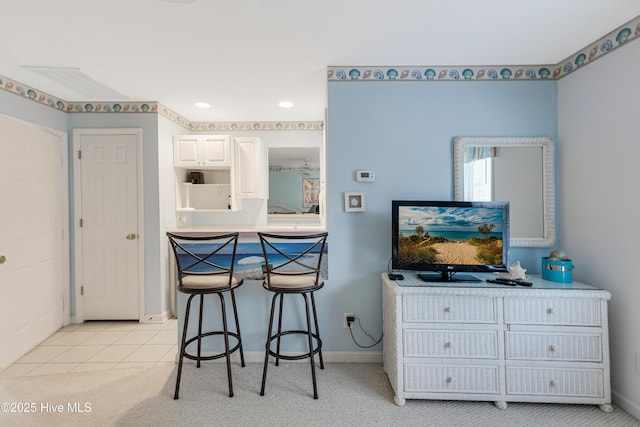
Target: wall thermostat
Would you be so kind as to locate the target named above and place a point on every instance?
(365, 176)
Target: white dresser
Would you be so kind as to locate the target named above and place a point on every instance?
(481, 341)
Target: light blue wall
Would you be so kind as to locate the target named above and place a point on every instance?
(30, 111)
(404, 132)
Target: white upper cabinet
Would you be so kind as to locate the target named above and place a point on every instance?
(214, 172)
(215, 151)
(202, 151)
(250, 168)
(185, 152)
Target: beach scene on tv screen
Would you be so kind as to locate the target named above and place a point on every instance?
(449, 235)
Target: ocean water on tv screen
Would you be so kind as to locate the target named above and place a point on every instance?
(452, 235)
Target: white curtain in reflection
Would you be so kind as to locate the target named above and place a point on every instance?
(479, 153)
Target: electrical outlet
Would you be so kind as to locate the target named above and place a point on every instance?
(345, 324)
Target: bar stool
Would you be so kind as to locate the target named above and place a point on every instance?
(205, 273)
(292, 266)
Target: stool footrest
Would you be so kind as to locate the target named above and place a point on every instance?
(307, 355)
(214, 356)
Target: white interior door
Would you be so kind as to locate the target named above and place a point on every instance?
(33, 244)
(109, 224)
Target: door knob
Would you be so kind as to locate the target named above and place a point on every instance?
(131, 236)
(2, 259)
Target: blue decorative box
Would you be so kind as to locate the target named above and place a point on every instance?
(557, 270)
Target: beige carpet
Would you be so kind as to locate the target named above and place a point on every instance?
(350, 395)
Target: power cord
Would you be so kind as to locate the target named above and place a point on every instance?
(350, 321)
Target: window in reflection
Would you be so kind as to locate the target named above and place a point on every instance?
(478, 177)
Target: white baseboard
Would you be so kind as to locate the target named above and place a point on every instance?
(156, 318)
(148, 318)
(327, 356)
(633, 408)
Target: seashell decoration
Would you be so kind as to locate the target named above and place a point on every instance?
(559, 255)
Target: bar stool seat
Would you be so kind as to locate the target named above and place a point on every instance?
(200, 275)
(297, 270)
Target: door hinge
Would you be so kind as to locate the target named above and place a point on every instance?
(79, 154)
(81, 290)
(81, 222)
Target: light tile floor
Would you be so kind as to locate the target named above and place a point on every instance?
(99, 345)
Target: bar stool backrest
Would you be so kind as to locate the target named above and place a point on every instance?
(287, 265)
(196, 255)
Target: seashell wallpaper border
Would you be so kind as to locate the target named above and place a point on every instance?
(593, 51)
(613, 40)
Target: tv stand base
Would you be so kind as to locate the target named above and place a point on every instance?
(447, 276)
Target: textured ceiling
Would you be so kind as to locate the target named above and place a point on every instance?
(244, 56)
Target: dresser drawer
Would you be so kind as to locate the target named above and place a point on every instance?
(452, 379)
(450, 309)
(553, 311)
(443, 343)
(545, 346)
(555, 382)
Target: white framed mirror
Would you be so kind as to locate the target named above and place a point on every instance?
(517, 170)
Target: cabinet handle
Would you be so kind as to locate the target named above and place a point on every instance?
(449, 380)
(549, 310)
(131, 236)
(552, 348)
(447, 309)
(3, 259)
(447, 345)
(552, 383)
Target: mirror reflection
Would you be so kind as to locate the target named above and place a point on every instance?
(518, 170)
(294, 181)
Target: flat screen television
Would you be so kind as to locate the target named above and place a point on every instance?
(439, 239)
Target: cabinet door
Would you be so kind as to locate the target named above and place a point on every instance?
(214, 151)
(185, 152)
(250, 165)
(201, 152)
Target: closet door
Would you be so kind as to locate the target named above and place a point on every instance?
(110, 244)
(33, 246)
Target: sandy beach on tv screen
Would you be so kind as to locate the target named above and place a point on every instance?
(456, 253)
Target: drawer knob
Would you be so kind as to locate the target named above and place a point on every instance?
(552, 383)
(549, 310)
(447, 309)
(447, 345)
(449, 380)
(552, 348)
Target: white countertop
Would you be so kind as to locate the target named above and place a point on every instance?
(412, 280)
(275, 228)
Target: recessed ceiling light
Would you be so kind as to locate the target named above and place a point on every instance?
(202, 105)
(285, 104)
